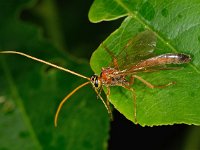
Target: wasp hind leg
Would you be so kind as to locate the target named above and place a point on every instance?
(134, 100)
(151, 85)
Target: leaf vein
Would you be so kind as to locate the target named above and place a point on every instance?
(135, 15)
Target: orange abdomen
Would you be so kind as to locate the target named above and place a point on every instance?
(164, 59)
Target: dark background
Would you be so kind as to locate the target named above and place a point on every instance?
(80, 38)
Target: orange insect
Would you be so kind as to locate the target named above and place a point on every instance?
(135, 57)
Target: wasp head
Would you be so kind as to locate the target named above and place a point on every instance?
(95, 81)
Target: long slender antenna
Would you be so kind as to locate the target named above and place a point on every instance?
(65, 99)
(45, 62)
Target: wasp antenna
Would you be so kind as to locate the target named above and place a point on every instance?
(65, 99)
(45, 62)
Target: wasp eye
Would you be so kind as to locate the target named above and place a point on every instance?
(94, 80)
(96, 83)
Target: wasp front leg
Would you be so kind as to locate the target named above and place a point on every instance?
(107, 101)
(99, 92)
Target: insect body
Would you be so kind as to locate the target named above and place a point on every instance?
(135, 57)
(114, 77)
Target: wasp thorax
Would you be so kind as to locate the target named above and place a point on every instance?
(95, 81)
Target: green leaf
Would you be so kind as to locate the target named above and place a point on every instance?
(177, 27)
(103, 10)
(30, 93)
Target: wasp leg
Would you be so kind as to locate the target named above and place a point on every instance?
(105, 103)
(152, 86)
(114, 59)
(115, 63)
(99, 92)
(108, 103)
(131, 81)
(134, 102)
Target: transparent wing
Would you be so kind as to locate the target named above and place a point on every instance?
(161, 60)
(150, 69)
(138, 48)
(157, 63)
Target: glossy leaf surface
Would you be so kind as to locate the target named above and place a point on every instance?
(177, 30)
